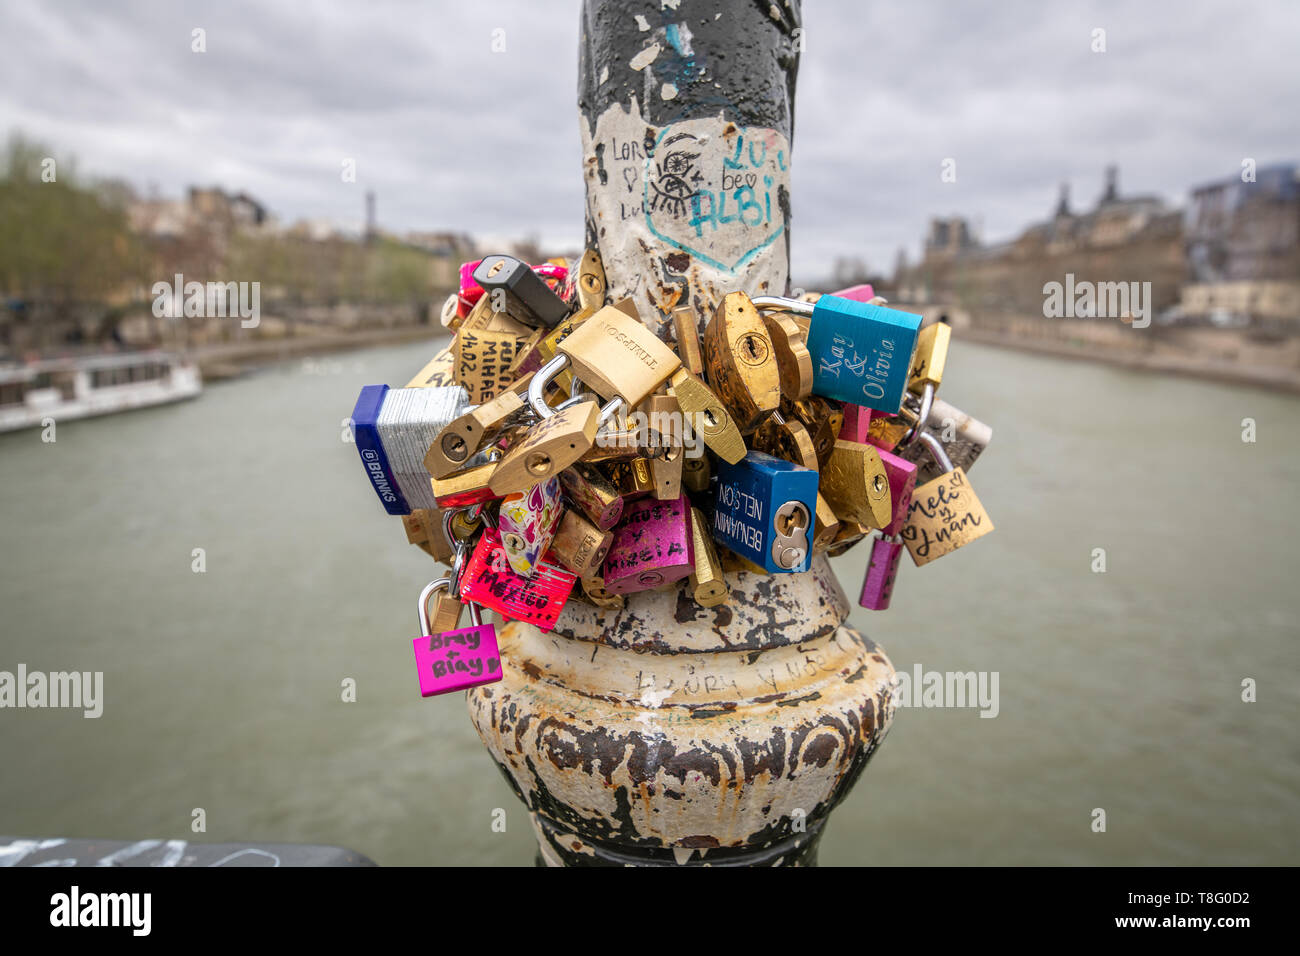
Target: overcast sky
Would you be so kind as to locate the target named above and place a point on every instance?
(453, 136)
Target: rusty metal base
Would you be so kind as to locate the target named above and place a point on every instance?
(639, 735)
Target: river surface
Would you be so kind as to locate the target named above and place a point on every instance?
(1119, 691)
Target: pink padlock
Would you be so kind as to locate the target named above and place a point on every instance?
(454, 660)
(857, 423)
(652, 545)
(878, 586)
(858, 293)
(902, 482)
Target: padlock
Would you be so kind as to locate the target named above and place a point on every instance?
(826, 525)
(696, 473)
(763, 511)
(882, 568)
(663, 440)
(483, 362)
(449, 661)
(616, 356)
(466, 434)
(945, 513)
(740, 360)
(593, 493)
(522, 293)
(856, 485)
(593, 588)
(529, 358)
(964, 438)
(633, 479)
(858, 293)
(652, 546)
(551, 445)
(823, 419)
(901, 475)
(527, 522)
(707, 416)
(588, 287)
(440, 372)
(469, 293)
(860, 352)
(579, 545)
(424, 528)
(885, 431)
(930, 358)
(393, 429)
(786, 439)
(463, 488)
(793, 360)
(857, 423)
(490, 581)
(848, 535)
(707, 584)
(687, 330)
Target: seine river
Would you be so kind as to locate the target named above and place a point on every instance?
(1120, 691)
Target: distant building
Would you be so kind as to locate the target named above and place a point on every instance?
(1243, 246)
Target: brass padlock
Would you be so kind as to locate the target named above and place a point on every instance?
(793, 360)
(664, 442)
(741, 363)
(856, 485)
(849, 534)
(786, 439)
(483, 362)
(633, 479)
(463, 488)
(439, 373)
(708, 417)
(823, 419)
(589, 287)
(601, 596)
(590, 490)
(464, 436)
(707, 584)
(579, 545)
(551, 445)
(696, 473)
(826, 525)
(616, 356)
(688, 340)
(945, 513)
(930, 357)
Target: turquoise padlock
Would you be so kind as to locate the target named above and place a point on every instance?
(861, 352)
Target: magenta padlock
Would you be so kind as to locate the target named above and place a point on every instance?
(858, 293)
(902, 482)
(454, 660)
(857, 423)
(878, 586)
(652, 545)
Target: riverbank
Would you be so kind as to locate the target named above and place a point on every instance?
(1254, 357)
(232, 360)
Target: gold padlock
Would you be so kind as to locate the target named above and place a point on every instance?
(440, 372)
(849, 534)
(468, 487)
(826, 525)
(786, 439)
(483, 362)
(579, 545)
(945, 513)
(823, 419)
(550, 446)
(930, 357)
(688, 340)
(696, 473)
(633, 479)
(618, 356)
(856, 485)
(708, 417)
(741, 363)
(599, 595)
(464, 436)
(587, 487)
(664, 424)
(793, 360)
(589, 289)
(707, 584)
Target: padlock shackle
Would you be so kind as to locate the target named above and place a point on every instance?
(779, 303)
(936, 449)
(537, 385)
(922, 416)
(422, 609)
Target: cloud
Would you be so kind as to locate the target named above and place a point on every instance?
(451, 135)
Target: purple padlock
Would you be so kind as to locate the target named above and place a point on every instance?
(454, 660)
(878, 586)
(902, 482)
(652, 545)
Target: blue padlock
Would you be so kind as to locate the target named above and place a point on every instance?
(763, 510)
(861, 352)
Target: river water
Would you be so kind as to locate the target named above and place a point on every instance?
(1119, 690)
